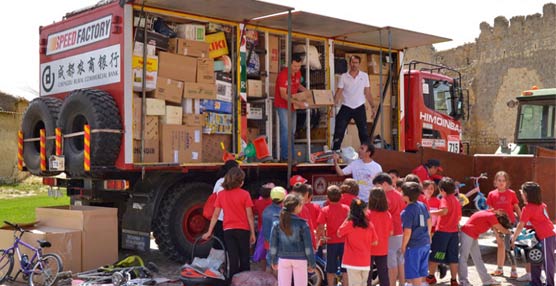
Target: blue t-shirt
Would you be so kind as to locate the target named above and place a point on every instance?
(415, 216)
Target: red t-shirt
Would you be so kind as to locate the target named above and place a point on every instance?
(314, 212)
(382, 222)
(423, 199)
(396, 204)
(357, 245)
(234, 202)
(434, 203)
(505, 201)
(258, 207)
(538, 216)
(333, 216)
(282, 81)
(306, 215)
(422, 173)
(478, 223)
(347, 198)
(450, 221)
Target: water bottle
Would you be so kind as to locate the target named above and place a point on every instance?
(24, 260)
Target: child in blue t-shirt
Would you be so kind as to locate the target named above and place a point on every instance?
(416, 223)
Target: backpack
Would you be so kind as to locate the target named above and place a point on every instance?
(208, 208)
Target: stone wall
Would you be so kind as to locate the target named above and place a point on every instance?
(505, 59)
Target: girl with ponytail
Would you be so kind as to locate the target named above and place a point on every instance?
(291, 249)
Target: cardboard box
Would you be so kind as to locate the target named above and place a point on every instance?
(323, 97)
(191, 106)
(363, 66)
(154, 38)
(169, 90)
(98, 226)
(193, 120)
(151, 122)
(138, 49)
(151, 153)
(376, 91)
(155, 106)
(190, 48)
(254, 88)
(209, 105)
(199, 90)
(274, 54)
(180, 144)
(65, 242)
(205, 70)
(217, 123)
(374, 65)
(173, 115)
(217, 45)
(137, 70)
(272, 84)
(254, 112)
(211, 146)
(303, 100)
(191, 32)
(177, 67)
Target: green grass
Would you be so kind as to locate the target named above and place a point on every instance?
(21, 207)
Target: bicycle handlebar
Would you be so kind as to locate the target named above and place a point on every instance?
(16, 228)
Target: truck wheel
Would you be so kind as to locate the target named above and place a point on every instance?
(180, 221)
(41, 113)
(98, 109)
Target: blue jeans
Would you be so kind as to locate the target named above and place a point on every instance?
(283, 118)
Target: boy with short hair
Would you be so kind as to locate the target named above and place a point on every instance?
(350, 191)
(333, 215)
(445, 241)
(416, 224)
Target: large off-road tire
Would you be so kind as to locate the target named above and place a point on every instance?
(98, 109)
(179, 221)
(42, 113)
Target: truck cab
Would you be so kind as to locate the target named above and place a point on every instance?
(433, 104)
(536, 120)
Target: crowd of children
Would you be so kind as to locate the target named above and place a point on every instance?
(406, 230)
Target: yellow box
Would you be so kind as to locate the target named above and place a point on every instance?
(152, 73)
(217, 45)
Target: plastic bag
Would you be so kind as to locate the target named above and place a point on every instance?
(260, 252)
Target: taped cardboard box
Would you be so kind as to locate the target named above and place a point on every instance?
(254, 88)
(273, 47)
(205, 70)
(302, 100)
(191, 32)
(191, 106)
(169, 90)
(211, 146)
(193, 90)
(180, 144)
(151, 122)
(374, 65)
(99, 227)
(151, 153)
(322, 97)
(190, 48)
(155, 106)
(65, 242)
(177, 67)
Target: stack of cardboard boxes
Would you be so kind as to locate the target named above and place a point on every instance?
(185, 101)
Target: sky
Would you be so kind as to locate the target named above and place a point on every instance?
(457, 20)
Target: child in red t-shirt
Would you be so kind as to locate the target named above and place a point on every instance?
(431, 193)
(350, 191)
(333, 215)
(238, 224)
(382, 221)
(261, 203)
(535, 212)
(503, 198)
(359, 235)
(314, 208)
(445, 240)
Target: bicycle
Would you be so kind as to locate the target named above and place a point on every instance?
(41, 269)
(480, 199)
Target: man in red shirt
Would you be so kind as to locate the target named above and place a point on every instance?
(281, 103)
(428, 171)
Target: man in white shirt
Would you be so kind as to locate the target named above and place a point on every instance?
(353, 90)
(363, 170)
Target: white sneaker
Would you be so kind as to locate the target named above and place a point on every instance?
(492, 282)
(524, 278)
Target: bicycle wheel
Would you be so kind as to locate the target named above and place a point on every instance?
(45, 270)
(6, 265)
